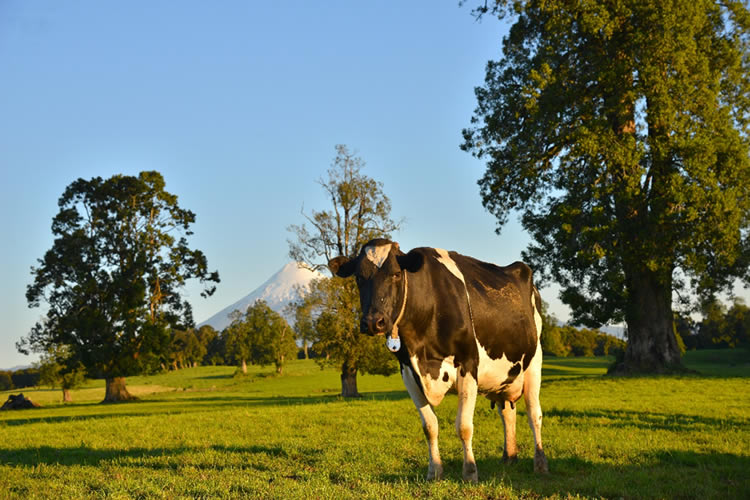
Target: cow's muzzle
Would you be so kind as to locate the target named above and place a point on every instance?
(374, 324)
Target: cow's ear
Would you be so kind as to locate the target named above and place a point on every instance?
(343, 267)
(412, 261)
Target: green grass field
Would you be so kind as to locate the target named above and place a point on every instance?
(202, 433)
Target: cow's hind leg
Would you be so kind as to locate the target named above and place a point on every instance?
(532, 383)
(429, 423)
(466, 386)
(507, 411)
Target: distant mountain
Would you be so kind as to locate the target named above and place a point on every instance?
(278, 291)
(16, 368)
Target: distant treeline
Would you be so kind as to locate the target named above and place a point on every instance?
(571, 341)
(721, 326)
(28, 377)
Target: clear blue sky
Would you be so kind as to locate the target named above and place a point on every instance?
(239, 104)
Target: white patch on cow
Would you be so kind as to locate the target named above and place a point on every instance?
(429, 422)
(435, 389)
(537, 318)
(450, 264)
(445, 259)
(413, 388)
(493, 373)
(377, 254)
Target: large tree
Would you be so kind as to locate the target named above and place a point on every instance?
(359, 212)
(619, 130)
(113, 277)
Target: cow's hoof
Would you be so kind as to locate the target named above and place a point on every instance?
(509, 459)
(540, 463)
(470, 473)
(435, 472)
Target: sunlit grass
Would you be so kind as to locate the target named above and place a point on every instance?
(209, 434)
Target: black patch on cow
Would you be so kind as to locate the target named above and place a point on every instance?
(445, 377)
(501, 308)
(412, 261)
(512, 374)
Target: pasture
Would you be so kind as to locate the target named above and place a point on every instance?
(204, 433)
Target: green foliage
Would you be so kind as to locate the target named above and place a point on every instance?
(28, 377)
(56, 371)
(6, 382)
(620, 131)
(260, 336)
(567, 340)
(571, 341)
(336, 332)
(360, 211)
(304, 325)
(186, 349)
(113, 277)
(720, 326)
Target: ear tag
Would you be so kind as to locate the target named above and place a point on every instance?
(393, 344)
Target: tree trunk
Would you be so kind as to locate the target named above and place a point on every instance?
(349, 381)
(652, 346)
(66, 396)
(304, 348)
(116, 391)
(244, 366)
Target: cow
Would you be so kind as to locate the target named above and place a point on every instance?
(455, 321)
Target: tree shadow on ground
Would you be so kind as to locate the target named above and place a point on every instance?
(250, 457)
(169, 406)
(648, 420)
(660, 474)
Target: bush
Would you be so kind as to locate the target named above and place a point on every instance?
(6, 382)
(26, 378)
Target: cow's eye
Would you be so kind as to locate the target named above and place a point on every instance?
(396, 276)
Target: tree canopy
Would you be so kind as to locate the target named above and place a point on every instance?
(619, 130)
(359, 212)
(112, 280)
(261, 336)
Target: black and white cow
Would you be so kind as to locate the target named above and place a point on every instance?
(455, 321)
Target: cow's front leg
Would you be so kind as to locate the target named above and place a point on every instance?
(429, 423)
(507, 411)
(466, 386)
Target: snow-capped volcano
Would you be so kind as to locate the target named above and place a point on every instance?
(278, 291)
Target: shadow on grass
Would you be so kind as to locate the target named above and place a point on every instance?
(661, 474)
(648, 420)
(257, 457)
(171, 406)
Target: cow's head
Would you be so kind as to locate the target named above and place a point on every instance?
(379, 269)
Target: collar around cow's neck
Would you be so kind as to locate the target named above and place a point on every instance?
(393, 342)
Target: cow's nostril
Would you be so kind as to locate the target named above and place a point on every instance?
(380, 324)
